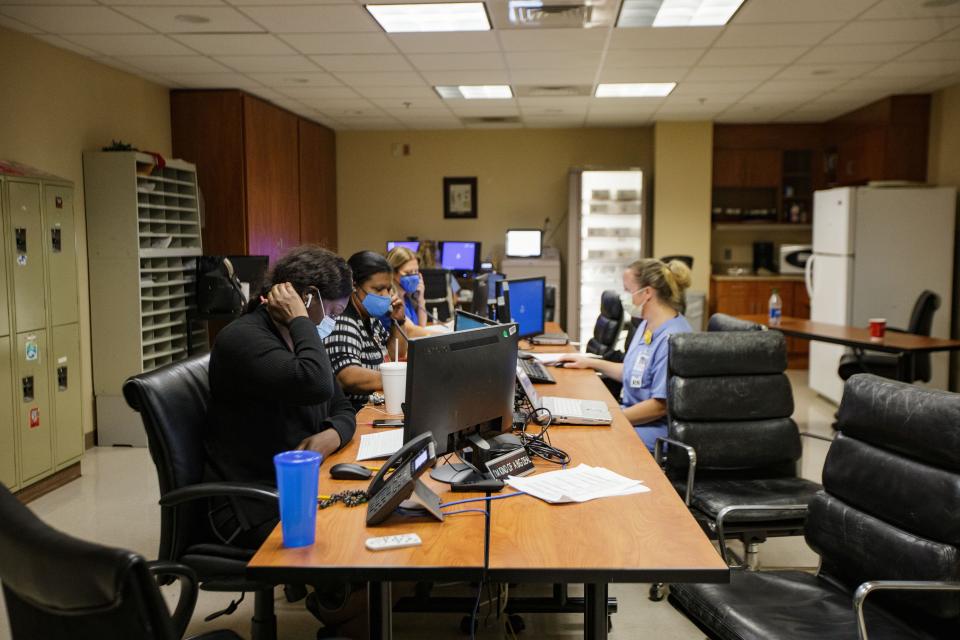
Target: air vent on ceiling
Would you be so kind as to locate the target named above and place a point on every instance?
(552, 91)
(490, 121)
(557, 15)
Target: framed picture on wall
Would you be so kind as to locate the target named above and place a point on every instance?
(459, 197)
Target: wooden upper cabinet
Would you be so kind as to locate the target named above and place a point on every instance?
(318, 185)
(763, 168)
(728, 167)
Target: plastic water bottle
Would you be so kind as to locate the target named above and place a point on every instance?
(775, 309)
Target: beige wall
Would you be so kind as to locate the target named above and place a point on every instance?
(522, 179)
(682, 179)
(56, 105)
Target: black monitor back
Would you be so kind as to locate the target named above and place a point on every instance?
(459, 384)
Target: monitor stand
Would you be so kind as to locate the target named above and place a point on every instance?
(461, 472)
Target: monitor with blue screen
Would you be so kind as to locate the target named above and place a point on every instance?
(527, 297)
(464, 320)
(460, 256)
(413, 245)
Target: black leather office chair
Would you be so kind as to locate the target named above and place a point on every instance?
(733, 447)
(887, 520)
(687, 260)
(59, 587)
(549, 303)
(608, 325)
(436, 293)
(172, 402)
(887, 364)
(723, 322)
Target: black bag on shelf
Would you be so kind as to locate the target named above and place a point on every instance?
(218, 288)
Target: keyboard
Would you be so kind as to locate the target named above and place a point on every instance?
(536, 371)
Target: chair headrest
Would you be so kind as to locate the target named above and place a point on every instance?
(726, 353)
(723, 322)
(610, 305)
(923, 424)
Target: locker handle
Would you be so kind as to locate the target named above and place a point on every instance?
(62, 378)
(20, 233)
(55, 242)
(28, 389)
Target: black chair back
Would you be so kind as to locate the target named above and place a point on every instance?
(921, 323)
(435, 293)
(608, 325)
(173, 401)
(57, 586)
(890, 508)
(729, 398)
(723, 322)
(687, 260)
(549, 303)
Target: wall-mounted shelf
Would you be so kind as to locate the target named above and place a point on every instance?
(761, 226)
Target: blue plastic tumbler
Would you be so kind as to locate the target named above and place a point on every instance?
(297, 475)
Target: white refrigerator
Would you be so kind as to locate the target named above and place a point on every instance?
(874, 250)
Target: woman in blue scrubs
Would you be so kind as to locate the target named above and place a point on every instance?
(657, 290)
(408, 283)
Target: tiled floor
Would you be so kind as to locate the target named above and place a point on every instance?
(115, 503)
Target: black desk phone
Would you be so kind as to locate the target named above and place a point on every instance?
(404, 484)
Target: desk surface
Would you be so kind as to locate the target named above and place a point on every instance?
(892, 342)
(636, 538)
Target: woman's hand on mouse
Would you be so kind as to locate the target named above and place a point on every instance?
(324, 443)
(574, 361)
(285, 304)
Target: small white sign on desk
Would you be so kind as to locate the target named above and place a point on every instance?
(380, 445)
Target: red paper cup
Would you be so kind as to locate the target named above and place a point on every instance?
(878, 327)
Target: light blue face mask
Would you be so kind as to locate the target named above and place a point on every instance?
(326, 326)
(376, 305)
(410, 283)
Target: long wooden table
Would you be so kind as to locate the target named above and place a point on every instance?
(648, 537)
(901, 344)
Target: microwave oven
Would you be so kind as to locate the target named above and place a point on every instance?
(793, 257)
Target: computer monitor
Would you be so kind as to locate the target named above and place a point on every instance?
(413, 245)
(484, 287)
(463, 320)
(251, 272)
(527, 305)
(460, 388)
(524, 243)
(460, 256)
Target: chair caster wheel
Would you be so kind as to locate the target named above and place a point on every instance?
(657, 592)
(516, 622)
(465, 624)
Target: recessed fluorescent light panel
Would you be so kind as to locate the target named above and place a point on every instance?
(475, 92)
(635, 90)
(677, 13)
(418, 18)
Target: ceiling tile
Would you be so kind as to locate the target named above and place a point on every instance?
(624, 105)
(714, 88)
(800, 116)
(260, 3)
(836, 97)
(408, 104)
(324, 43)
(825, 71)
(553, 39)
(235, 44)
(553, 59)
(63, 43)
(554, 76)
(421, 91)
(664, 114)
(363, 62)
(454, 61)
(133, 45)
(601, 121)
(781, 11)
(717, 57)
(633, 58)
(885, 84)
(175, 64)
(652, 74)
(119, 64)
(485, 76)
(939, 50)
(795, 86)
(717, 74)
(212, 80)
(338, 18)
(771, 100)
(664, 38)
(883, 31)
(64, 20)
(899, 9)
(16, 25)
(678, 100)
(936, 84)
(262, 64)
(833, 53)
(302, 93)
(463, 42)
(775, 35)
(380, 79)
(952, 34)
(750, 114)
(154, 3)
(333, 106)
(488, 108)
(57, 2)
(553, 123)
(414, 112)
(551, 105)
(166, 19)
(912, 69)
(295, 79)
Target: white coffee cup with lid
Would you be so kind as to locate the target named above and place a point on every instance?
(394, 378)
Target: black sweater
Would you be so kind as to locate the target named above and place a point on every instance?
(267, 399)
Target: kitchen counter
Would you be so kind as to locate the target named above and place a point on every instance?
(793, 277)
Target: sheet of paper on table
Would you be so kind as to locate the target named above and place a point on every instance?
(550, 358)
(380, 445)
(579, 484)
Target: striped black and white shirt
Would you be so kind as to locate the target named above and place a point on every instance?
(359, 342)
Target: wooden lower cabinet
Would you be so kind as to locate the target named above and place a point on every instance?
(747, 297)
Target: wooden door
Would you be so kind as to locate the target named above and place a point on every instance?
(763, 168)
(272, 180)
(728, 167)
(318, 185)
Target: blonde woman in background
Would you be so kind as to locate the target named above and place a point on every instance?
(428, 256)
(408, 283)
(657, 290)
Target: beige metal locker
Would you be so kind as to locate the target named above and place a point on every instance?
(65, 365)
(8, 461)
(4, 302)
(26, 261)
(32, 397)
(60, 243)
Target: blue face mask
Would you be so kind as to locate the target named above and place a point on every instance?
(410, 282)
(327, 325)
(376, 305)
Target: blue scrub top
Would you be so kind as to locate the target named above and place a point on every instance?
(645, 373)
(410, 308)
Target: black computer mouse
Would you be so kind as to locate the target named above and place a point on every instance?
(350, 471)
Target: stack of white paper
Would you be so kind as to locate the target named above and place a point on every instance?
(579, 484)
(380, 445)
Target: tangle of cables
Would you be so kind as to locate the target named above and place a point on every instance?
(539, 444)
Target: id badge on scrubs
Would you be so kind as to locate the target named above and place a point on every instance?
(636, 376)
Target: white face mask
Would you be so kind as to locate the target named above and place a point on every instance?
(327, 325)
(635, 310)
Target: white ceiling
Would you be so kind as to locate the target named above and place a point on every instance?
(327, 60)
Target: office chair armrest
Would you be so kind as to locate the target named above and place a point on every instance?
(205, 490)
(188, 591)
(660, 458)
(865, 589)
(797, 509)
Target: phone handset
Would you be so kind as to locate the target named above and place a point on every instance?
(408, 464)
